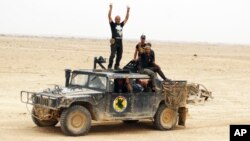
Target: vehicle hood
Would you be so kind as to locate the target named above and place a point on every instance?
(69, 91)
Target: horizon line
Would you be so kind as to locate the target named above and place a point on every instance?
(127, 39)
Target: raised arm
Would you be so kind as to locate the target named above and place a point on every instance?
(110, 12)
(127, 15)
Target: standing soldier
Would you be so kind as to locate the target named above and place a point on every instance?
(116, 41)
(139, 48)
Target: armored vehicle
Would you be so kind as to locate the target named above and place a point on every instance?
(92, 95)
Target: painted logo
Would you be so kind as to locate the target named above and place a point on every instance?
(120, 104)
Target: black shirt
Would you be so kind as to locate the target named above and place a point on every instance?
(116, 30)
(147, 60)
(140, 48)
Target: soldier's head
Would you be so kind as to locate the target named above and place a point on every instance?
(117, 19)
(143, 38)
(149, 44)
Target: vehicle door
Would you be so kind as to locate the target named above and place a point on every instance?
(143, 102)
(119, 103)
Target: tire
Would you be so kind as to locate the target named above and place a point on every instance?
(75, 121)
(165, 118)
(43, 123)
(130, 121)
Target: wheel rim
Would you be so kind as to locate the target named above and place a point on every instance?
(77, 121)
(167, 118)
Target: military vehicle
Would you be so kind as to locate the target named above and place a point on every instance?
(91, 95)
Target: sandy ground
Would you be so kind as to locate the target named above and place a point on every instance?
(37, 63)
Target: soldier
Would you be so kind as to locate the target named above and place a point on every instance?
(139, 48)
(148, 62)
(116, 41)
(122, 85)
(148, 66)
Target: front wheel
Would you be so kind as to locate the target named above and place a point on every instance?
(75, 121)
(165, 118)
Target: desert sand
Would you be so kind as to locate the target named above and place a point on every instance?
(33, 64)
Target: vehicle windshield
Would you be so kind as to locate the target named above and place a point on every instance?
(89, 81)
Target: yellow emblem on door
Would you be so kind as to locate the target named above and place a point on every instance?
(120, 104)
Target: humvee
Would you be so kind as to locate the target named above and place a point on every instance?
(90, 95)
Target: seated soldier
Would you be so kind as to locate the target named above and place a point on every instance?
(122, 85)
(148, 66)
(142, 85)
(137, 86)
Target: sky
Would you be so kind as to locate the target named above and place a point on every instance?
(212, 21)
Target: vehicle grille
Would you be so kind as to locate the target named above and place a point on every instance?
(46, 101)
(41, 100)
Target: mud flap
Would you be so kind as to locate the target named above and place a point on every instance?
(182, 115)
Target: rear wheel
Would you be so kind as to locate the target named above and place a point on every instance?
(165, 118)
(75, 121)
(42, 123)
